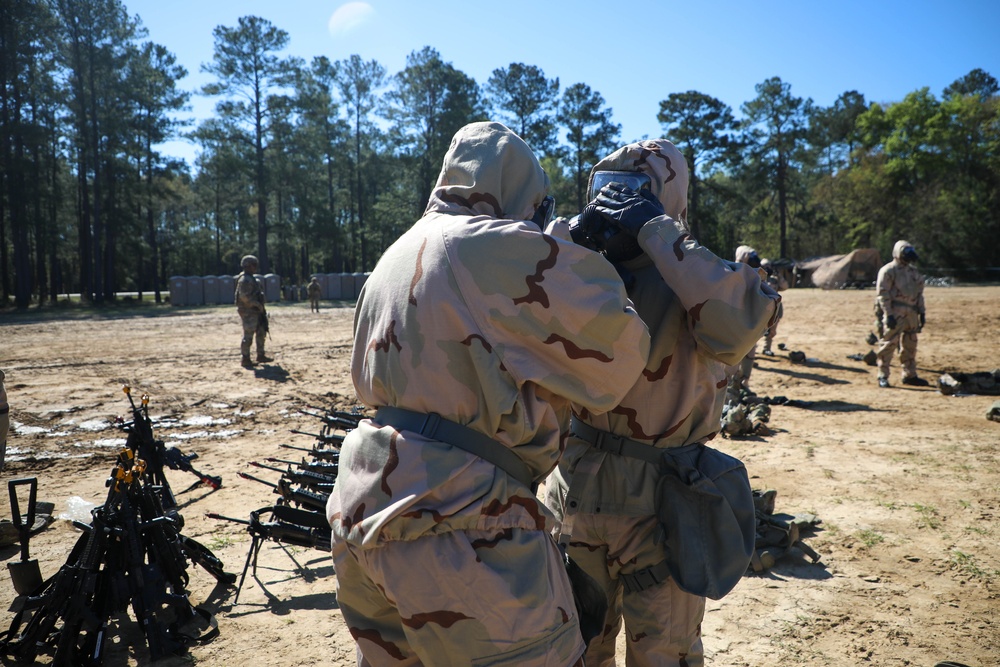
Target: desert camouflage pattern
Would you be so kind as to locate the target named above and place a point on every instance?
(250, 306)
(475, 314)
(4, 419)
(435, 600)
(662, 623)
(703, 314)
(900, 293)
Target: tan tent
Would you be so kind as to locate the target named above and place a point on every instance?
(858, 268)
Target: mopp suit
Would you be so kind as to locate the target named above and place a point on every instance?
(900, 288)
(477, 316)
(703, 314)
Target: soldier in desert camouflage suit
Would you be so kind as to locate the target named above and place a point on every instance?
(703, 314)
(900, 298)
(250, 306)
(777, 281)
(477, 316)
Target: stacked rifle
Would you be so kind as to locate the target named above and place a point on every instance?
(132, 555)
(298, 517)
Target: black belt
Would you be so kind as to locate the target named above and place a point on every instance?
(433, 426)
(616, 444)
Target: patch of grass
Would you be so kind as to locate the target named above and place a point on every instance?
(890, 505)
(220, 541)
(827, 473)
(965, 504)
(870, 538)
(968, 566)
(810, 452)
(976, 530)
(928, 516)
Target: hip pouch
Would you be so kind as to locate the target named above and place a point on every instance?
(705, 506)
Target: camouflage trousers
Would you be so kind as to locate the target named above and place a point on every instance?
(906, 343)
(459, 598)
(772, 330)
(253, 325)
(662, 623)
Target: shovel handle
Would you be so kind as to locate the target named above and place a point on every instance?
(15, 508)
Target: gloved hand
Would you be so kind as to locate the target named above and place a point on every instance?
(890, 322)
(585, 229)
(627, 209)
(923, 319)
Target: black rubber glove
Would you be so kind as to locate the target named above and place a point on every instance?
(890, 322)
(923, 319)
(627, 209)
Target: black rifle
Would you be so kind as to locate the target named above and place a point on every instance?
(346, 421)
(156, 455)
(302, 497)
(286, 525)
(322, 467)
(332, 455)
(334, 439)
(313, 480)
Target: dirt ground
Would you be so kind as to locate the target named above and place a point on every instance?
(905, 480)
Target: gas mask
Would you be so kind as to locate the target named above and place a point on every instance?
(592, 231)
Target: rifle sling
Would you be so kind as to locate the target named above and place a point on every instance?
(433, 426)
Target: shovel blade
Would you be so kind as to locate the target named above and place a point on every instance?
(26, 576)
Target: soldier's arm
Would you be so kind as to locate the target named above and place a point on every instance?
(729, 307)
(570, 328)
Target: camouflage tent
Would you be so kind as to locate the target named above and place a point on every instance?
(858, 268)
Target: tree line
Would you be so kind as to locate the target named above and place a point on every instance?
(318, 166)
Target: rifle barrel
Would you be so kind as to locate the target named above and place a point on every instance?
(221, 517)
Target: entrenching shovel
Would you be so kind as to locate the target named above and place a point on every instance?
(25, 574)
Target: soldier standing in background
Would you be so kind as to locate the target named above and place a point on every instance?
(900, 299)
(740, 379)
(250, 306)
(314, 291)
(778, 283)
(472, 337)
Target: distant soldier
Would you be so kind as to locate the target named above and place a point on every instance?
(4, 420)
(900, 298)
(777, 281)
(314, 290)
(740, 379)
(250, 305)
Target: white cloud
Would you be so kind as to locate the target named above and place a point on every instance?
(349, 16)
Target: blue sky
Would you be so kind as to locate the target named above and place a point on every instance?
(634, 53)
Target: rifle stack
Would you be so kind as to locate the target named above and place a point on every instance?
(132, 555)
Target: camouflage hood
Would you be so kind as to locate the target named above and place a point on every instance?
(489, 170)
(743, 254)
(665, 166)
(899, 248)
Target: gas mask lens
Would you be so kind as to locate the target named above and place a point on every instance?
(633, 179)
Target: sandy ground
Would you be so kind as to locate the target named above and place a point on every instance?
(905, 481)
